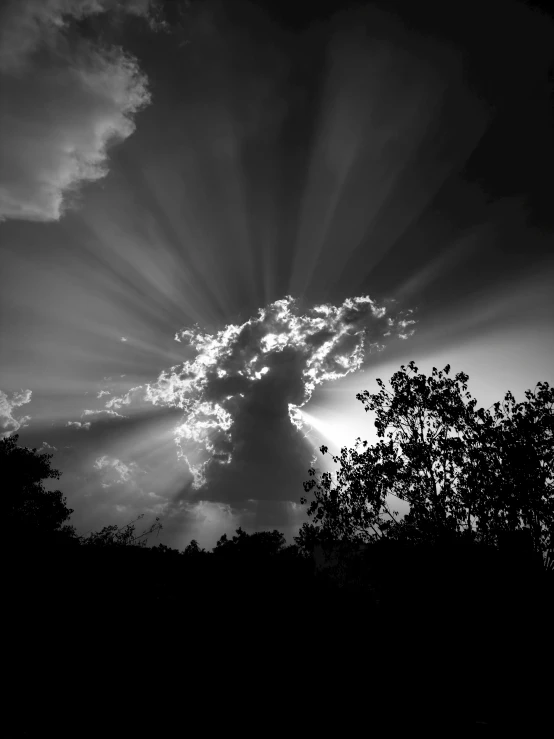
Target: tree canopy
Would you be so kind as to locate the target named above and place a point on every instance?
(259, 543)
(121, 535)
(28, 509)
(480, 474)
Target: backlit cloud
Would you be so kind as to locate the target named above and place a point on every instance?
(267, 367)
(65, 98)
(9, 424)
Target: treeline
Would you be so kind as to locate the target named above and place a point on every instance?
(445, 635)
(446, 609)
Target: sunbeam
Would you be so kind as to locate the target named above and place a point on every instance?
(223, 224)
(196, 211)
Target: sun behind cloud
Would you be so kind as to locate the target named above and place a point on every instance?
(276, 358)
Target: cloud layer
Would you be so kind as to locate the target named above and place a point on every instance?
(64, 100)
(241, 392)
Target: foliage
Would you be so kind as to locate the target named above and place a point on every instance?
(28, 508)
(121, 536)
(512, 474)
(462, 471)
(258, 544)
(193, 549)
(310, 535)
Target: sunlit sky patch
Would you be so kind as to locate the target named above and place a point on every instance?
(211, 211)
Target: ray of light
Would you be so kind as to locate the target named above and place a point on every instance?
(323, 345)
(367, 184)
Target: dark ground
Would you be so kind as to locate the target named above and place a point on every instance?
(113, 651)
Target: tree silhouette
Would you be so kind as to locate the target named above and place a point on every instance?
(121, 536)
(461, 573)
(311, 535)
(257, 544)
(193, 549)
(462, 472)
(252, 565)
(29, 511)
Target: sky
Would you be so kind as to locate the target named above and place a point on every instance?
(219, 222)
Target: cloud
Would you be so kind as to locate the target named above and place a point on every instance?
(132, 395)
(241, 393)
(65, 99)
(115, 472)
(79, 425)
(102, 411)
(8, 423)
(46, 447)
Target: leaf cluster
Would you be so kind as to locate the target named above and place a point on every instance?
(463, 471)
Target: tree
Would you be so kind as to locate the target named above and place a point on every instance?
(260, 544)
(193, 549)
(516, 462)
(121, 536)
(166, 551)
(249, 563)
(28, 509)
(462, 472)
(310, 535)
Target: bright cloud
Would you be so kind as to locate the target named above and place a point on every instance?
(102, 412)
(9, 424)
(133, 394)
(79, 425)
(282, 351)
(64, 100)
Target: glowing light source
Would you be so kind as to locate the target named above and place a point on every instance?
(339, 433)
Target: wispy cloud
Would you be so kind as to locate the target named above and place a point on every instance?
(9, 424)
(115, 471)
(65, 98)
(79, 425)
(127, 399)
(102, 412)
(46, 447)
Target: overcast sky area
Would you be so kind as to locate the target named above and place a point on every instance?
(219, 221)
